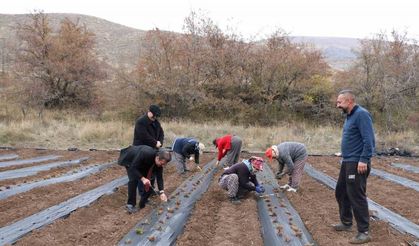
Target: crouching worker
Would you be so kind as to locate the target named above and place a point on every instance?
(142, 163)
(186, 148)
(294, 156)
(241, 178)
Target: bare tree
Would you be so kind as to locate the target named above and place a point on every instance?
(59, 68)
(386, 76)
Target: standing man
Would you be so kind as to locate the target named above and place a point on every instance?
(148, 130)
(229, 148)
(294, 156)
(357, 148)
(142, 162)
(184, 148)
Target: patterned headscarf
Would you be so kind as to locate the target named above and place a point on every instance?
(257, 163)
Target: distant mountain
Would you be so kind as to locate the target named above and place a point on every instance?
(120, 45)
(339, 52)
(116, 44)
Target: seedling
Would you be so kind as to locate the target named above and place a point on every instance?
(151, 238)
(139, 231)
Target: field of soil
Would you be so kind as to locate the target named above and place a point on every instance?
(214, 220)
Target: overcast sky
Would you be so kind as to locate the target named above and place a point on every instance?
(339, 18)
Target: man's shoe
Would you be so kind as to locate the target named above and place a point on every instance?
(131, 209)
(283, 187)
(342, 227)
(235, 200)
(361, 237)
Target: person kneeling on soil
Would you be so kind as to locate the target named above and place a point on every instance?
(294, 155)
(241, 178)
(229, 148)
(184, 148)
(142, 163)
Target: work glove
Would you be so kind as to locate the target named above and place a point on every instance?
(260, 189)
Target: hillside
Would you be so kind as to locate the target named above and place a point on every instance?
(116, 44)
(120, 45)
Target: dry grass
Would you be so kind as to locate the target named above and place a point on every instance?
(60, 130)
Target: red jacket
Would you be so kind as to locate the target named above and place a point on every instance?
(223, 145)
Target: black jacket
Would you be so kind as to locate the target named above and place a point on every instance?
(147, 132)
(245, 176)
(139, 160)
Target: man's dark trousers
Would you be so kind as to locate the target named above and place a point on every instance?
(351, 195)
(133, 184)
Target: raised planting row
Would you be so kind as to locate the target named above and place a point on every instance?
(406, 167)
(28, 161)
(165, 223)
(395, 220)
(29, 171)
(396, 179)
(281, 224)
(393, 196)
(68, 177)
(8, 157)
(11, 233)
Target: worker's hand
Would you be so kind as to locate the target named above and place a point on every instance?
(199, 168)
(362, 167)
(191, 158)
(163, 197)
(158, 144)
(145, 181)
(217, 163)
(260, 189)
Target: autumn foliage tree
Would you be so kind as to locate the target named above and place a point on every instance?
(208, 74)
(59, 67)
(386, 77)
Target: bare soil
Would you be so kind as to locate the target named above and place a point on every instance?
(214, 220)
(395, 197)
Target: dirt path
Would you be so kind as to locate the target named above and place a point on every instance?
(318, 209)
(216, 221)
(95, 157)
(105, 222)
(395, 197)
(22, 205)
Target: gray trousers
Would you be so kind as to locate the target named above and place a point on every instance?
(233, 154)
(180, 162)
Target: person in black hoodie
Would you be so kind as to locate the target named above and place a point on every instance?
(148, 130)
(142, 162)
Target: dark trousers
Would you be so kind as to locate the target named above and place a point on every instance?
(351, 195)
(133, 183)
